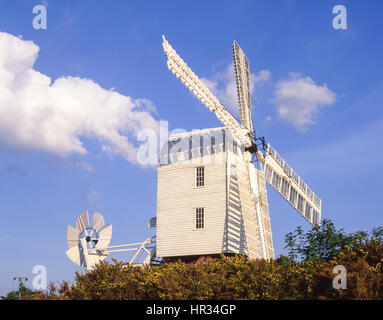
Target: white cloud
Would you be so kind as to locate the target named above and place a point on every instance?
(223, 85)
(299, 100)
(83, 165)
(36, 114)
(262, 76)
(92, 196)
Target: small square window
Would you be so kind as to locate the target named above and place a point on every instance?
(200, 176)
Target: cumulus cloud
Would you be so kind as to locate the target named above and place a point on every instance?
(223, 85)
(299, 100)
(262, 76)
(37, 114)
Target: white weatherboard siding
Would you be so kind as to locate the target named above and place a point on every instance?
(232, 211)
(177, 199)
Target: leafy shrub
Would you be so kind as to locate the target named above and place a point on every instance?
(306, 273)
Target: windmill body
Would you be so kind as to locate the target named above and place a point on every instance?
(206, 203)
(211, 198)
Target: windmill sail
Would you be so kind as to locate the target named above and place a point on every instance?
(283, 179)
(177, 66)
(78, 244)
(98, 222)
(72, 237)
(247, 221)
(242, 75)
(82, 221)
(258, 187)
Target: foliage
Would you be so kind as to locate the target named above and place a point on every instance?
(14, 295)
(306, 273)
(324, 242)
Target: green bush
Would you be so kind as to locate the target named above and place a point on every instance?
(306, 273)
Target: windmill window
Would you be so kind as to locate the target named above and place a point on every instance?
(200, 176)
(199, 218)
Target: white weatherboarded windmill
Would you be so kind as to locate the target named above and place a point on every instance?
(211, 197)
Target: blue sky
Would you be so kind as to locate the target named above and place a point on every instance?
(58, 159)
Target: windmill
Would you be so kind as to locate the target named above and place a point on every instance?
(211, 191)
(206, 208)
(89, 241)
